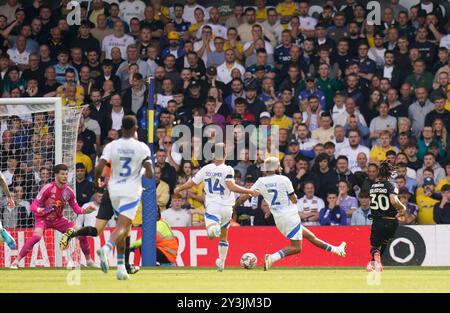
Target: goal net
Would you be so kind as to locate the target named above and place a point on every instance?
(36, 134)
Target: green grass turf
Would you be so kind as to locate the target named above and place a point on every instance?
(411, 279)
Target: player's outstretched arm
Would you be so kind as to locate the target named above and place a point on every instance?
(293, 198)
(241, 200)
(99, 171)
(5, 189)
(231, 185)
(397, 203)
(189, 184)
(148, 169)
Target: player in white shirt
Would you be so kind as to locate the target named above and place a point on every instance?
(128, 157)
(117, 39)
(131, 8)
(219, 188)
(278, 192)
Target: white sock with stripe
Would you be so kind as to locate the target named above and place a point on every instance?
(278, 255)
(223, 250)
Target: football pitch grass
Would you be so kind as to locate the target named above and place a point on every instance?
(196, 280)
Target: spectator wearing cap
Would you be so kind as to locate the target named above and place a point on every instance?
(410, 216)
(85, 188)
(312, 90)
(175, 46)
(263, 132)
(211, 79)
(425, 201)
(377, 52)
(254, 104)
(441, 210)
(224, 70)
(279, 118)
(194, 96)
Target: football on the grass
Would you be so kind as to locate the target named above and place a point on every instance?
(248, 260)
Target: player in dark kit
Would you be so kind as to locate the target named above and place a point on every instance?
(385, 207)
(104, 214)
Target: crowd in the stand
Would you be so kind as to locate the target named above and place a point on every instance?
(344, 92)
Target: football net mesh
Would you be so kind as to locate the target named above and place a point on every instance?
(30, 147)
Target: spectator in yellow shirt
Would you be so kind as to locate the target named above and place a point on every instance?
(378, 152)
(286, 10)
(280, 119)
(447, 104)
(261, 11)
(162, 190)
(446, 180)
(80, 157)
(426, 202)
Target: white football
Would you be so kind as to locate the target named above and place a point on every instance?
(248, 260)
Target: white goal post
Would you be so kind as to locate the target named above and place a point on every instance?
(35, 135)
(41, 105)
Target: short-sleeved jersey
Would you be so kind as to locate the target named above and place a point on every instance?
(380, 205)
(276, 190)
(126, 156)
(214, 177)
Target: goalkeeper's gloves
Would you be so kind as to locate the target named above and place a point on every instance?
(45, 210)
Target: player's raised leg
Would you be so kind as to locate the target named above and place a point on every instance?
(338, 250)
(64, 225)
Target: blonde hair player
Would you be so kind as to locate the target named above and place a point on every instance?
(278, 192)
(219, 187)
